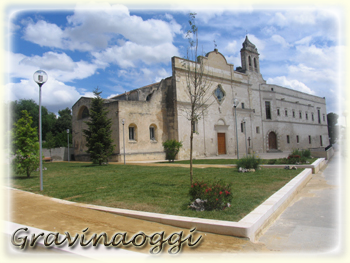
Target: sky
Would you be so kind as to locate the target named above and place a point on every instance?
(118, 48)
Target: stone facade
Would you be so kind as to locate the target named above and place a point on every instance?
(276, 118)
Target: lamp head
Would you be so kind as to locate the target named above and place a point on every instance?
(40, 77)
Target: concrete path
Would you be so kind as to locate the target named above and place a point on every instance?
(311, 222)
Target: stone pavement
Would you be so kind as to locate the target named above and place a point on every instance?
(311, 223)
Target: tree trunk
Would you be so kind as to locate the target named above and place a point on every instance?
(191, 150)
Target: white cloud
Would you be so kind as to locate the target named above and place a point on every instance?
(290, 83)
(232, 47)
(55, 95)
(44, 34)
(209, 13)
(280, 40)
(95, 27)
(131, 53)
(58, 66)
(318, 57)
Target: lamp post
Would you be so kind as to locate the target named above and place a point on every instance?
(40, 77)
(245, 136)
(235, 104)
(68, 142)
(123, 122)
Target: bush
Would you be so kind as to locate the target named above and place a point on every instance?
(171, 148)
(249, 162)
(216, 195)
(299, 156)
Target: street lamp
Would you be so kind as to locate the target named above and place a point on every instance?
(235, 104)
(68, 142)
(245, 136)
(123, 122)
(40, 77)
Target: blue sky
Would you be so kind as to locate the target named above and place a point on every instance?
(119, 48)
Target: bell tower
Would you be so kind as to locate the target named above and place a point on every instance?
(249, 57)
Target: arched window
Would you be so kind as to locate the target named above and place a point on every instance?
(83, 112)
(250, 61)
(255, 65)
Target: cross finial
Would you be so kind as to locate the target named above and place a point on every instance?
(215, 46)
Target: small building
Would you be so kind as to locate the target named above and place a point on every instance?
(269, 117)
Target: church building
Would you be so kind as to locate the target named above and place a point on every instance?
(241, 108)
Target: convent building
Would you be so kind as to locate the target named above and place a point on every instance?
(266, 117)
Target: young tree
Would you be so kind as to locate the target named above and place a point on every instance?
(98, 135)
(332, 120)
(25, 146)
(197, 84)
(50, 142)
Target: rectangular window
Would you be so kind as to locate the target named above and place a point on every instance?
(297, 138)
(324, 117)
(300, 114)
(312, 116)
(309, 139)
(268, 110)
(278, 112)
(257, 130)
(287, 138)
(293, 114)
(306, 116)
(242, 127)
(151, 133)
(321, 143)
(242, 105)
(132, 133)
(286, 113)
(319, 116)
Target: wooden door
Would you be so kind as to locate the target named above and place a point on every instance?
(221, 143)
(272, 141)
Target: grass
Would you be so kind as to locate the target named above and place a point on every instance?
(153, 189)
(233, 161)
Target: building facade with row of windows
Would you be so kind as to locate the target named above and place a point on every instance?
(268, 117)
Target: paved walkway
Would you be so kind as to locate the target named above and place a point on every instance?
(311, 222)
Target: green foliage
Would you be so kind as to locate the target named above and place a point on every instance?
(298, 156)
(171, 147)
(25, 146)
(249, 162)
(332, 120)
(50, 141)
(48, 118)
(217, 195)
(99, 133)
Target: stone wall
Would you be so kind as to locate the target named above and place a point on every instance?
(59, 154)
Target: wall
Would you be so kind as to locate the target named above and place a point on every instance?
(59, 154)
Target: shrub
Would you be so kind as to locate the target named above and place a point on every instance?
(171, 148)
(306, 153)
(249, 162)
(216, 195)
(271, 161)
(299, 156)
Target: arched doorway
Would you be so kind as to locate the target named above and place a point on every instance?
(272, 141)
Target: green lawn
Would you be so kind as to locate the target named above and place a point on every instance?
(152, 189)
(233, 161)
